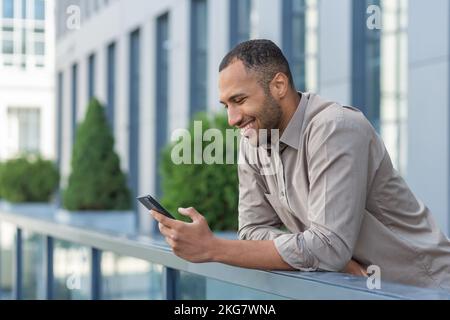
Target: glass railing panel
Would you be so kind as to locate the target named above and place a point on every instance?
(130, 278)
(33, 255)
(191, 286)
(7, 245)
(72, 271)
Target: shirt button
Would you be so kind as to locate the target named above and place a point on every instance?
(282, 194)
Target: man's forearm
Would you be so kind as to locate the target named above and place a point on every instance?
(261, 255)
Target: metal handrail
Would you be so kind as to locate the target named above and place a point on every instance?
(290, 285)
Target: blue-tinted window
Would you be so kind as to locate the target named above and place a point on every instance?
(24, 9)
(8, 9)
(59, 118)
(162, 90)
(239, 21)
(91, 77)
(294, 39)
(111, 84)
(74, 98)
(39, 9)
(8, 47)
(134, 110)
(366, 69)
(199, 56)
(39, 48)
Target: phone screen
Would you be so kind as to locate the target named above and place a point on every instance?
(151, 204)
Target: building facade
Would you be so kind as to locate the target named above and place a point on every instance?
(27, 105)
(154, 64)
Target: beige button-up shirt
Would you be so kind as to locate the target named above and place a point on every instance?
(332, 185)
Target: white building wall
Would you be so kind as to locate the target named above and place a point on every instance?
(31, 87)
(266, 20)
(429, 105)
(428, 156)
(218, 48)
(335, 50)
(115, 23)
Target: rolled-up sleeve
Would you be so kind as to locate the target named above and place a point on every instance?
(257, 219)
(338, 156)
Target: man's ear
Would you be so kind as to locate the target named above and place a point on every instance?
(279, 86)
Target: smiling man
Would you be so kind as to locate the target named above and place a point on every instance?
(341, 203)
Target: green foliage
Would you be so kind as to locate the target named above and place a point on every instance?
(96, 181)
(211, 189)
(28, 179)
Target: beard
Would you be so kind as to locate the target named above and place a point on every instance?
(269, 119)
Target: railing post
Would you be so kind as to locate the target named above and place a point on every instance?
(170, 281)
(18, 266)
(96, 275)
(48, 269)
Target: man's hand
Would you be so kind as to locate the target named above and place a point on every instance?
(355, 269)
(196, 243)
(190, 241)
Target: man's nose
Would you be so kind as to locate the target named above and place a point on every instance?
(234, 117)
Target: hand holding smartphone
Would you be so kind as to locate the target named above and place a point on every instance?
(151, 204)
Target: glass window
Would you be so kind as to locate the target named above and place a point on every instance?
(134, 109)
(8, 29)
(199, 56)
(8, 9)
(24, 130)
(162, 90)
(111, 81)
(394, 81)
(59, 119)
(239, 21)
(74, 100)
(8, 47)
(366, 58)
(39, 9)
(39, 48)
(24, 9)
(24, 41)
(91, 76)
(300, 41)
(379, 62)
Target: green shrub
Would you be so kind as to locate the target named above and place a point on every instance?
(96, 181)
(211, 189)
(28, 180)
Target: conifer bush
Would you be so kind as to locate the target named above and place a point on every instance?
(211, 189)
(96, 181)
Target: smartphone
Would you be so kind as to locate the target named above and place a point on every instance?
(151, 204)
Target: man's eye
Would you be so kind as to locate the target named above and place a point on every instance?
(241, 101)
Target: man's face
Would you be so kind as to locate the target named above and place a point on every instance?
(249, 107)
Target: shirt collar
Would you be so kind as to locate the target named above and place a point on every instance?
(292, 133)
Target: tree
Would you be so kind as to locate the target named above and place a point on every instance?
(96, 181)
(211, 188)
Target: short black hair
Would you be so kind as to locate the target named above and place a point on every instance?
(261, 56)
